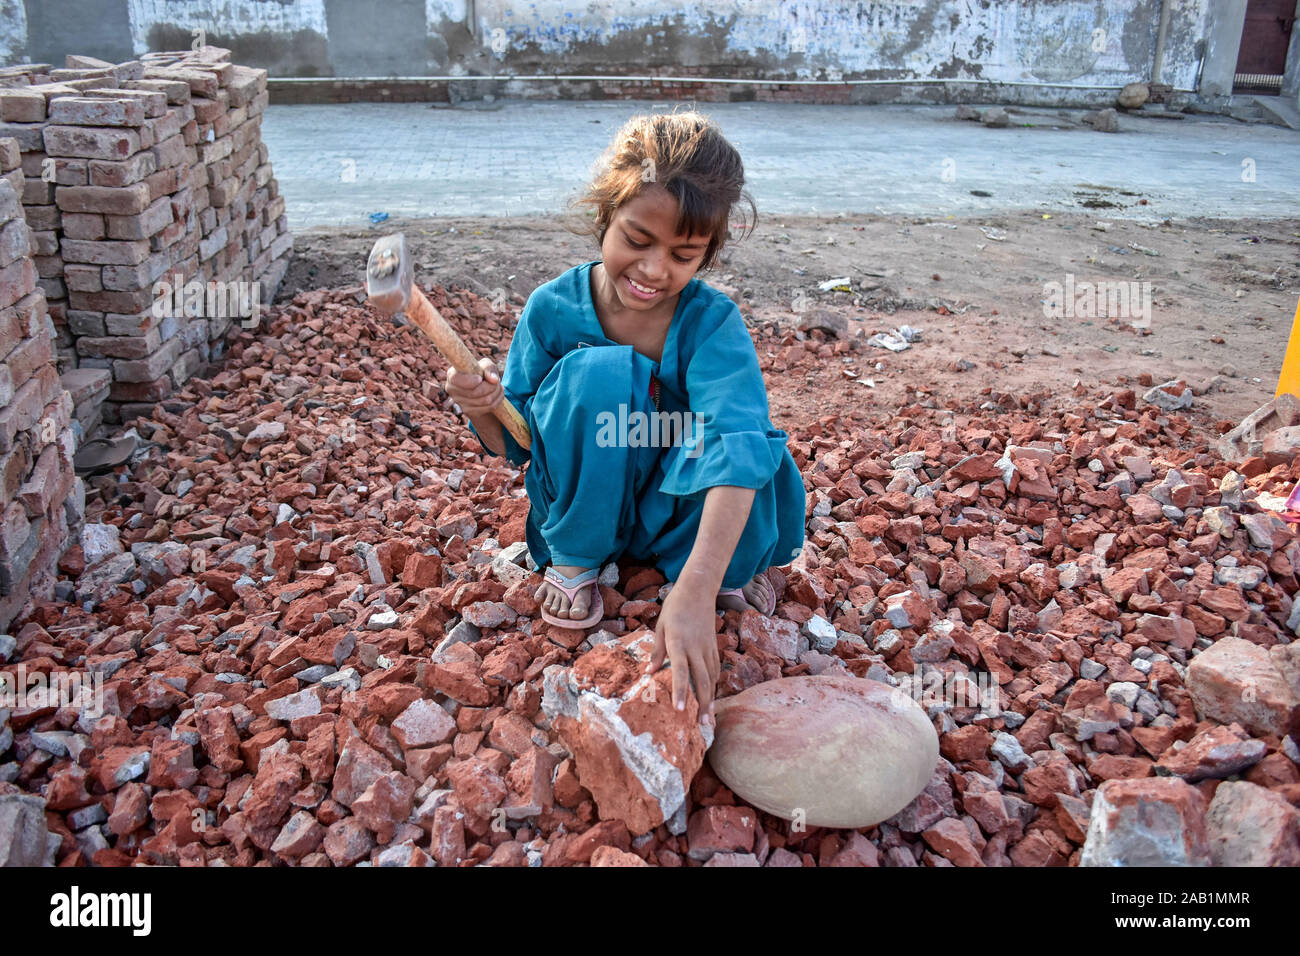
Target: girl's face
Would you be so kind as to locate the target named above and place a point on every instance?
(646, 263)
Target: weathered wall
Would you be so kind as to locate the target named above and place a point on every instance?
(1075, 42)
(1223, 40)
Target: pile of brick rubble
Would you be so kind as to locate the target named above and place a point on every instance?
(312, 612)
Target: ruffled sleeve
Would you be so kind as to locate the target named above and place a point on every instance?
(527, 364)
(732, 441)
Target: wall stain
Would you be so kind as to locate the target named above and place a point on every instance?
(386, 39)
(1139, 45)
(301, 53)
(1062, 47)
(627, 48)
(452, 46)
(99, 28)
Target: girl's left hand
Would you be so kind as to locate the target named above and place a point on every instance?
(685, 630)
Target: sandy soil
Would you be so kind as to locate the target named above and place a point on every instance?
(1223, 296)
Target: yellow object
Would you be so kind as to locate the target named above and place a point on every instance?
(1289, 380)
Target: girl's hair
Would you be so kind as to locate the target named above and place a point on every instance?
(684, 153)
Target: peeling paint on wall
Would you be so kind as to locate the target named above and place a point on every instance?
(287, 37)
(454, 11)
(1189, 24)
(1078, 41)
(227, 17)
(553, 27)
(1074, 42)
(1085, 42)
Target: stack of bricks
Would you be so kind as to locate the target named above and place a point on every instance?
(141, 177)
(42, 503)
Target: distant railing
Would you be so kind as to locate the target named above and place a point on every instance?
(1244, 82)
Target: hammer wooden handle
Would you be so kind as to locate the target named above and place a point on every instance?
(432, 324)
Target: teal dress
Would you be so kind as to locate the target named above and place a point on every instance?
(625, 448)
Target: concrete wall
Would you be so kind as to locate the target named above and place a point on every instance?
(1291, 80)
(1073, 42)
(1223, 42)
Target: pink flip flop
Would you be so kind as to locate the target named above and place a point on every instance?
(570, 587)
(766, 611)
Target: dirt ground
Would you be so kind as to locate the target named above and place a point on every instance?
(1223, 295)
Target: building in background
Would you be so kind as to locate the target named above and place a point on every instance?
(1067, 53)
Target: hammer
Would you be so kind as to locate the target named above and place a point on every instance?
(390, 286)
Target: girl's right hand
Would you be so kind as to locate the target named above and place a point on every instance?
(476, 394)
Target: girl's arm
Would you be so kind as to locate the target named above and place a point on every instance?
(685, 629)
(528, 361)
(489, 432)
(726, 509)
(477, 396)
(739, 453)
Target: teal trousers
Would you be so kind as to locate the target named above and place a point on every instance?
(594, 482)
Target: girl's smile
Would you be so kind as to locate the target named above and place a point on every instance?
(641, 292)
(645, 263)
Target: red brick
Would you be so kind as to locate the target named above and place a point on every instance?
(90, 143)
(112, 200)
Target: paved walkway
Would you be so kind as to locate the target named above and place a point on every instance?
(338, 164)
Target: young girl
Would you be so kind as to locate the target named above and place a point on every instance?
(711, 496)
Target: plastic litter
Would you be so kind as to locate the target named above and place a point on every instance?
(889, 340)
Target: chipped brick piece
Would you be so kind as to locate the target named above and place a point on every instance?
(633, 750)
(1249, 825)
(1154, 822)
(1236, 680)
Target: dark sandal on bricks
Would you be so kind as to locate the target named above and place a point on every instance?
(570, 587)
(101, 455)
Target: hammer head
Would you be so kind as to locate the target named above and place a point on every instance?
(389, 274)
